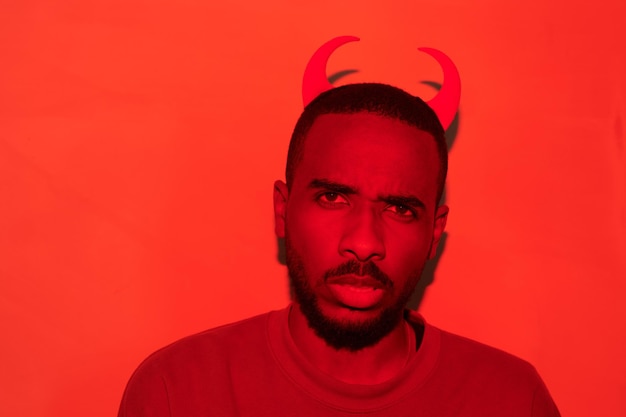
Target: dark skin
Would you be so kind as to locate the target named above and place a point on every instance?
(365, 190)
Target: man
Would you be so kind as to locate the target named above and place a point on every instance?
(360, 216)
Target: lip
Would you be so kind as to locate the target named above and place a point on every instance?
(356, 292)
(358, 281)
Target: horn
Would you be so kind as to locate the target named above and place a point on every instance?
(446, 102)
(315, 80)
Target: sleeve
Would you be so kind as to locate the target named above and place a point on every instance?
(543, 404)
(146, 394)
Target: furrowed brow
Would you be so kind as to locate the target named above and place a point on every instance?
(402, 200)
(332, 186)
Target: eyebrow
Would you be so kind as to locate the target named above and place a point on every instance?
(402, 200)
(396, 200)
(332, 186)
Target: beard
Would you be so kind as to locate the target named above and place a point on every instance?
(345, 334)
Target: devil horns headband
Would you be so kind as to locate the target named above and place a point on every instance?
(445, 103)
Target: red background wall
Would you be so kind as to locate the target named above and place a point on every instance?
(139, 141)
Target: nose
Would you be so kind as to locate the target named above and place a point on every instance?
(362, 236)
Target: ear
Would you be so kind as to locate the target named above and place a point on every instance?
(441, 216)
(281, 195)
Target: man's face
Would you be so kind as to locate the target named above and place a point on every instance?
(359, 221)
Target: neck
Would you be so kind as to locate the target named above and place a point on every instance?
(370, 365)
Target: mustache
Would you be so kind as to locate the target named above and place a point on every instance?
(360, 269)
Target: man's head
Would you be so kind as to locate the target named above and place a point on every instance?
(359, 215)
(381, 99)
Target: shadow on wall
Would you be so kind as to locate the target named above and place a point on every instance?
(428, 275)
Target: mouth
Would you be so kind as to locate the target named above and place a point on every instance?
(356, 292)
(356, 281)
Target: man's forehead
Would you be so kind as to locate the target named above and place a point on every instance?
(364, 131)
(359, 148)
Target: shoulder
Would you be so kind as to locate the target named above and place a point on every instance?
(460, 348)
(501, 380)
(458, 357)
(188, 366)
(473, 375)
(469, 358)
(190, 372)
(219, 342)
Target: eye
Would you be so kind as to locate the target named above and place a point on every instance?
(401, 211)
(331, 199)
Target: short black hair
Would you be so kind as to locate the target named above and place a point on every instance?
(381, 99)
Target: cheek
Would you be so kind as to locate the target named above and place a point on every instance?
(408, 250)
(312, 236)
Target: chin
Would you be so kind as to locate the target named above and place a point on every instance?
(354, 331)
(343, 327)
